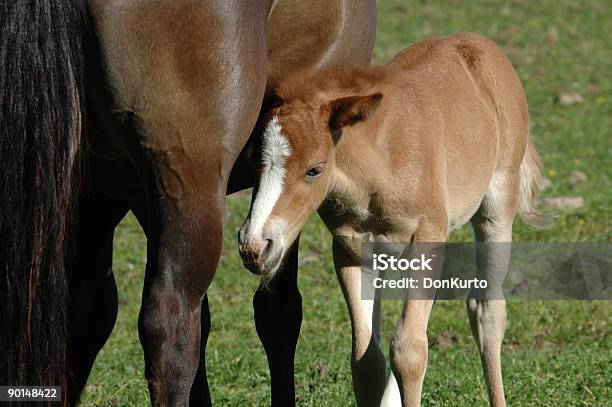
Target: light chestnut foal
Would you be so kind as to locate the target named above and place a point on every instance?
(405, 152)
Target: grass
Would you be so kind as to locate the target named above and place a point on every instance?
(555, 353)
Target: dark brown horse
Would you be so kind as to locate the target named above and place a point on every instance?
(174, 89)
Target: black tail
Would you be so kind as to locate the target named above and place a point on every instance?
(41, 113)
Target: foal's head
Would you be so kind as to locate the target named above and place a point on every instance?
(294, 161)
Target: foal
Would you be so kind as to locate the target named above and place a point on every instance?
(409, 151)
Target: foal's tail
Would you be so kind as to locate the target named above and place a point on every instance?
(41, 110)
(530, 178)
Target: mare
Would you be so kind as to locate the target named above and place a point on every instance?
(405, 152)
(108, 106)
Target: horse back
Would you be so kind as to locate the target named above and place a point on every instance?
(463, 118)
(472, 83)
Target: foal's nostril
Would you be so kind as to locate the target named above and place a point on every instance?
(267, 247)
(267, 250)
(261, 254)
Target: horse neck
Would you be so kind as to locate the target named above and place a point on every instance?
(352, 177)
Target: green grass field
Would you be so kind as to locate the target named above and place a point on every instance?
(555, 353)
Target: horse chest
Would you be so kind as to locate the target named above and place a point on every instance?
(339, 214)
(352, 225)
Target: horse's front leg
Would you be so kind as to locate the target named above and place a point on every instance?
(409, 350)
(278, 317)
(409, 346)
(367, 360)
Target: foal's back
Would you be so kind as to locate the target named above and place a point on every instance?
(455, 115)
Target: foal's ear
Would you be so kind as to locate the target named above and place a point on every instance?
(350, 110)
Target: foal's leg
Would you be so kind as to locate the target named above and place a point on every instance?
(391, 397)
(93, 293)
(409, 350)
(409, 347)
(492, 223)
(278, 317)
(367, 360)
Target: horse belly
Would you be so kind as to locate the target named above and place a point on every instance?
(314, 34)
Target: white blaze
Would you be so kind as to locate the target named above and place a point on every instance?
(275, 151)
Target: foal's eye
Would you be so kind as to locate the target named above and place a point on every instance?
(314, 172)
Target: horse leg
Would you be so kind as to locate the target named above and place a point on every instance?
(196, 101)
(409, 347)
(409, 350)
(493, 229)
(368, 363)
(93, 293)
(179, 271)
(278, 317)
(200, 394)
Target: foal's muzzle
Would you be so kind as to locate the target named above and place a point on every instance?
(261, 254)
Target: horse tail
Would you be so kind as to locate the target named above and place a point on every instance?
(530, 178)
(41, 120)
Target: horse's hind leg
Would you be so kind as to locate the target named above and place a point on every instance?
(200, 393)
(194, 80)
(487, 311)
(179, 271)
(93, 293)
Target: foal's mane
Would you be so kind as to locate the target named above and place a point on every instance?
(335, 81)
